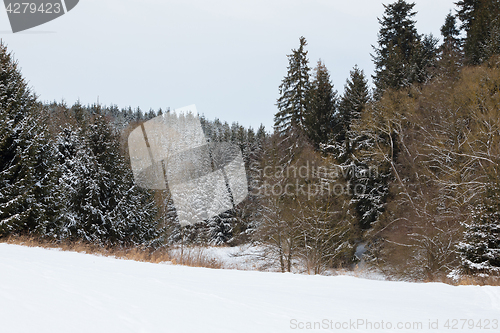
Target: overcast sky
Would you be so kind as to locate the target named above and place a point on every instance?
(226, 56)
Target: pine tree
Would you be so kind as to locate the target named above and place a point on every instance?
(425, 59)
(450, 32)
(225, 132)
(26, 174)
(370, 189)
(352, 104)
(294, 92)
(319, 116)
(367, 188)
(368, 178)
(134, 218)
(451, 57)
(75, 162)
(47, 206)
(261, 134)
(126, 212)
(220, 228)
(293, 106)
(480, 250)
(481, 22)
(401, 57)
(168, 218)
(249, 213)
(78, 180)
(102, 204)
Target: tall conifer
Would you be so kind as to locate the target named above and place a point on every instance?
(294, 92)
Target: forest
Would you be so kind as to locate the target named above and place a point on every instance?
(403, 177)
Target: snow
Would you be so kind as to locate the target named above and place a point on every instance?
(53, 291)
(242, 257)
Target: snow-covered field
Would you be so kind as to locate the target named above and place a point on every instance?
(52, 291)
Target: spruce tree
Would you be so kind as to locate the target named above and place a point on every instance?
(425, 59)
(480, 249)
(73, 159)
(450, 32)
(47, 206)
(451, 57)
(83, 216)
(134, 218)
(352, 104)
(102, 204)
(27, 180)
(249, 213)
(127, 214)
(261, 134)
(369, 202)
(168, 218)
(481, 22)
(402, 57)
(319, 116)
(220, 228)
(294, 92)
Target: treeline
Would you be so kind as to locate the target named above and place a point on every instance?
(65, 174)
(404, 176)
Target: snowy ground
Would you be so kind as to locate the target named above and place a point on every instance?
(52, 291)
(243, 257)
(251, 257)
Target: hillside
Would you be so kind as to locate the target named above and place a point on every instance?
(53, 291)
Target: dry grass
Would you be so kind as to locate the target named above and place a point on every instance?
(194, 257)
(197, 257)
(464, 281)
(190, 257)
(476, 281)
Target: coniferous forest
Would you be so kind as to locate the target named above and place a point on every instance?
(402, 176)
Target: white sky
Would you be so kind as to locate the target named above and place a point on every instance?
(226, 56)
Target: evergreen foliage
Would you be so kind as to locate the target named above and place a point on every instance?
(319, 116)
(480, 249)
(450, 32)
(27, 175)
(293, 102)
(403, 56)
(418, 163)
(481, 23)
(450, 52)
(102, 203)
(352, 104)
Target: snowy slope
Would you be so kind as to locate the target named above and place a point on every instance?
(53, 291)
